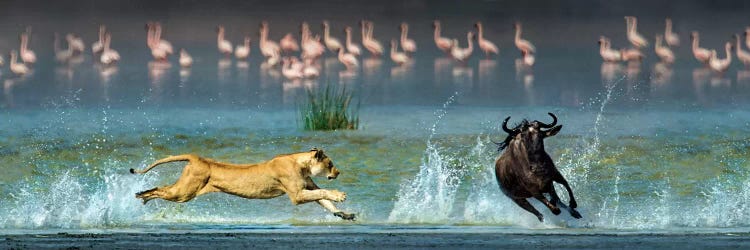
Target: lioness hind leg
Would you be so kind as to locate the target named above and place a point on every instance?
(166, 193)
(147, 195)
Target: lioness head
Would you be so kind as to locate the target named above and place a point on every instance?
(321, 165)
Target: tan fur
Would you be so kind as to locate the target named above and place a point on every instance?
(284, 174)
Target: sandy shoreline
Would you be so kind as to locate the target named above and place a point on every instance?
(371, 241)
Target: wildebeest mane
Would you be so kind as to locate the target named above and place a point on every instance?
(516, 129)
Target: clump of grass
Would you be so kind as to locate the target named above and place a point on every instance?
(329, 109)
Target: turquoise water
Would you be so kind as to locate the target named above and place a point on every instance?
(645, 149)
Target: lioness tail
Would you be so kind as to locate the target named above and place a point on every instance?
(162, 161)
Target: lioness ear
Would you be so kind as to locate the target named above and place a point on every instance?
(319, 154)
(553, 131)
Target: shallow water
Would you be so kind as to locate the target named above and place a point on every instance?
(645, 148)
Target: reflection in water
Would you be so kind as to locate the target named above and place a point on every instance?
(609, 72)
(8, 92)
(371, 65)
(65, 73)
(661, 80)
(662, 74)
(633, 72)
(243, 65)
(442, 71)
(75, 60)
(184, 75)
(347, 76)
(463, 76)
(743, 76)
(525, 75)
(399, 72)
(157, 71)
(720, 81)
(487, 68)
(528, 87)
(223, 69)
(293, 90)
(330, 65)
(106, 72)
(522, 68)
(700, 80)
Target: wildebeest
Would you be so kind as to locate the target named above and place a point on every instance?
(525, 170)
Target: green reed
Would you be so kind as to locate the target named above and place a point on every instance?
(329, 109)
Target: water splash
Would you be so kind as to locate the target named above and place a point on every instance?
(429, 197)
(73, 202)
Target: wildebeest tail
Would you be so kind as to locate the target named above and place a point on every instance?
(162, 161)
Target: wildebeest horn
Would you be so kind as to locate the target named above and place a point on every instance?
(505, 126)
(554, 122)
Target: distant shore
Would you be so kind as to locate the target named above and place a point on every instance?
(287, 240)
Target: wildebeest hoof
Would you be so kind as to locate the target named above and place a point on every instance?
(575, 213)
(555, 210)
(573, 204)
(540, 217)
(345, 216)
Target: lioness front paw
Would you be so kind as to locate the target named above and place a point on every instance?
(338, 196)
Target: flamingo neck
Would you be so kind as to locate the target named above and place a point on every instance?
(728, 51)
(326, 32)
(696, 42)
(369, 31)
(437, 31)
(23, 43)
(627, 26)
(101, 34)
(481, 31)
(518, 32)
(348, 38)
(471, 45)
(364, 32)
(149, 37)
(658, 42)
(668, 29)
(247, 42)
(403, 34)
(263, 36)
(157, 35)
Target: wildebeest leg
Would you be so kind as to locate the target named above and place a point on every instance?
(327, 204)
(560, 179)
(523, 203)
(555, 210)
(556, 200)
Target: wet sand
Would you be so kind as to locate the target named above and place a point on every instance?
(372, 241)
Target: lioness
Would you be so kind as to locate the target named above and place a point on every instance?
(284, 174)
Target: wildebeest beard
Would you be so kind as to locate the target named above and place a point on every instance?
(518, 127)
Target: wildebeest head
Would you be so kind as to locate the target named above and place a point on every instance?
(531, 134)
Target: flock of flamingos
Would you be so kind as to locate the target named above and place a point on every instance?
(311, 47)
(663, 44)
(282, 53)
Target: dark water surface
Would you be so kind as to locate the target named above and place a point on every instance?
(647, 147)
